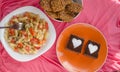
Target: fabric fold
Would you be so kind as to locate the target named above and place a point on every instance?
(103, 14)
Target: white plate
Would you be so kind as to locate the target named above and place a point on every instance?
(50, 40)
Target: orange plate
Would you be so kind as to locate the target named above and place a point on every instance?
(78, 62)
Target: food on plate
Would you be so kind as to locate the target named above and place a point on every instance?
(52, 14)
(46, 5)
(67, 7)
(92, 49)
(58, 5)
(68, 2)
(75, 43)
(29, 40)
(64, 16)
(73, 7)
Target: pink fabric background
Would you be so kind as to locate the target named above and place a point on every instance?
(103, 14)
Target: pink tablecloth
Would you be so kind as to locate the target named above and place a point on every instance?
(104, 14)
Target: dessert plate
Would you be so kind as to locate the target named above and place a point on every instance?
(75, 61)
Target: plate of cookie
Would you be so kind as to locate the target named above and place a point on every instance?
(62, 10)
(81, 48)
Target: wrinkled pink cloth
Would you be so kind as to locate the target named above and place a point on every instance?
(103, 14)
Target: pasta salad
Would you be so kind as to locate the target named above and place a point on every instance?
(29, 40)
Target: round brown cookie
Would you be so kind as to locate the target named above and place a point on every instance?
(74, 7)
(64, 16)
(52, 14)
(58, 5)
(71, 13)
(68, 2)
(45, 4)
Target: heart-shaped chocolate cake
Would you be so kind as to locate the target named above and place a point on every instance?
(92, 49)
(75, 43)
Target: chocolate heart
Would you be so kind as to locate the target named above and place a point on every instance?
(92, 48)
(76, 42)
